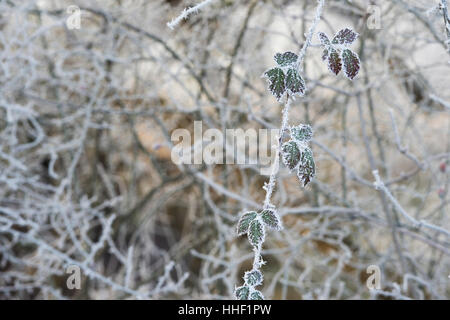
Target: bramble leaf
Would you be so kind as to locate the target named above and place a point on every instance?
(285, 59)
(295, 83)
(253, 278)
(351, 63)
(256, 233)
(325, 44)
(334, 62)
(324, 39)
(271, 219)
(256, 295)
(301, 133)
(245, 221)
(307, 168)
(325, 54)
(276, 82)
(242, 293)
(291, 154)
(345, 36)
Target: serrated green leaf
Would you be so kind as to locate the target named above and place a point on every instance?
(256, 295)
(291, 154)
(294, 82)
(345, 36)
(285, 59)
(334, 62)
(242, 293)
(276, 82)
(271, 219)
(256, 233)
(244, 222)
(351, 63)
(307, 168)
(302, 133)
(253, 278)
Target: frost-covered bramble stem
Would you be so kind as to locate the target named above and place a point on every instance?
(285, 80)
(272, 180)
(187, 12)
(444, 7)
(301, 55)
(273, 175)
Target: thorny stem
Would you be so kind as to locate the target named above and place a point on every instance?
(273, 175)
(444, 8)
(301, 55)
(257, 262)
(187, 12)
(284, 123)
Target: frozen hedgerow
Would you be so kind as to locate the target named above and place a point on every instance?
(337, 54)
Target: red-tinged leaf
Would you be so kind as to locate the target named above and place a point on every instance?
(334, 62)
(345, 36)
(351, 63)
